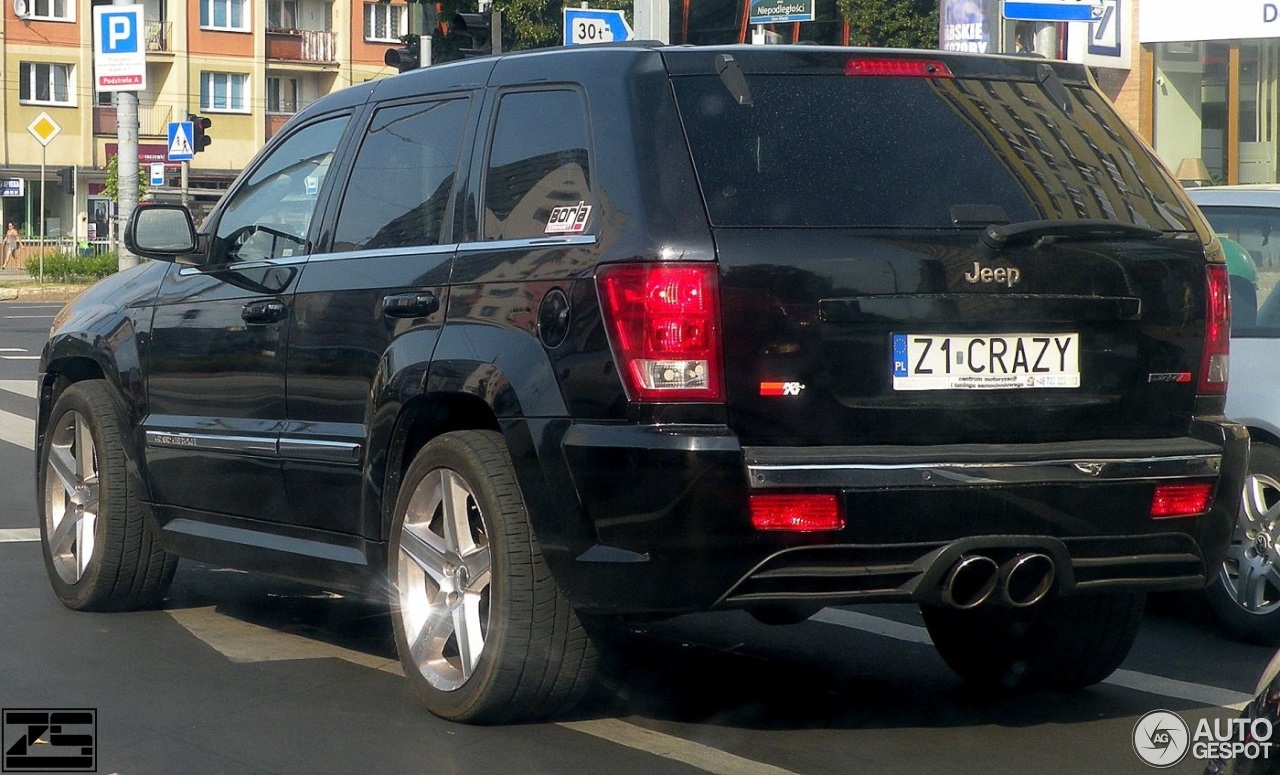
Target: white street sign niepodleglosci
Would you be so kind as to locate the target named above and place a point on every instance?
(44, 128)
(119, 51)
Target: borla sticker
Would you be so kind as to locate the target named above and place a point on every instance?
(780, 388)
(568, 220)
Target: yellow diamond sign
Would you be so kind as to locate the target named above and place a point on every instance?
(44, 128)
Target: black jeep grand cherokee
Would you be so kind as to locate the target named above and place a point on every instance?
(526, 341)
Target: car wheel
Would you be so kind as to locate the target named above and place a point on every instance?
(99, 549)
(1245, 593)
(482, 630)
(1064, 643)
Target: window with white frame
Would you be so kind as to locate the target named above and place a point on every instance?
(282, 95)
(56, 10)
(383, 22)
(44, 83)
(224, 15)
(282, 15)
(224, 91)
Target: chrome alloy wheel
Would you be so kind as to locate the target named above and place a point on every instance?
(1251, 571)
(443, 578)
(71, 496)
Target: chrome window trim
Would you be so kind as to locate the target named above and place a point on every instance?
(412, 250)
(239, 267)
(532, 242)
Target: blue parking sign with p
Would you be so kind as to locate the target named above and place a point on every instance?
(119, 33)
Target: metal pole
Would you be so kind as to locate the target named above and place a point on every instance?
(1047, 39)
(44, 151)
(186, 190)
(127, 161)
(653, 20)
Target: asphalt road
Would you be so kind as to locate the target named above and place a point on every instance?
(247, 674)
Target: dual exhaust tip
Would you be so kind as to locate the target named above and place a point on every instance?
(1022, 581)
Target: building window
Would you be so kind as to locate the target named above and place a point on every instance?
(223, 91)
(44, 84)
(282, 95)
(282, 15)
(383, 22)
(223, 15)
(56, 10)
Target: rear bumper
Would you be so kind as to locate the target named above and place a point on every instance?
(667, 528)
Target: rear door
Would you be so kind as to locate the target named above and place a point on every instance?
(368, 310)
(862, 305)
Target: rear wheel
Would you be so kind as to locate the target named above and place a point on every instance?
(1064, 643)
(482, 630)
(1245, 592)
(99, 549)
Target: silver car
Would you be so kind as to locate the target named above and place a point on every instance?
(1245, 595)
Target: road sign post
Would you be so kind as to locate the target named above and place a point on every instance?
(43, 128)
(584, 26)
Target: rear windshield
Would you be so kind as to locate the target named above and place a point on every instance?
(822, 150)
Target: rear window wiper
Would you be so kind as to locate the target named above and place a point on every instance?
(998, 235)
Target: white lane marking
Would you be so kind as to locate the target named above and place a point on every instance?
(23, 387)
(13, 535)
(694, 754)
(244, 642)
(1129, 679)
(17, 429)
(20, 357)
(13, 349)
(241, 641)
(30, 317)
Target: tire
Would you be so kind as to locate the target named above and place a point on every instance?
(1064, 643)
(482, 630)
(99, 548)
(1245, 592)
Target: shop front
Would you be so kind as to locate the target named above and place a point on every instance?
(1216, 80)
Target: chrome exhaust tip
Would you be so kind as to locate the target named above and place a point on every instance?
(970, 582)
(1026, 579)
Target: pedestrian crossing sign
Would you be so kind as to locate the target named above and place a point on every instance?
(180, 148)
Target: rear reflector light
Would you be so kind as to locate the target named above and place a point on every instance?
(796, 513)
(1180, 500)
(906, 68)
(1217, 332)
(664, 327)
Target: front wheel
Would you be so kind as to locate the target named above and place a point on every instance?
(99, 549)
(482, 630)
(1065, 643)
(1245, 592)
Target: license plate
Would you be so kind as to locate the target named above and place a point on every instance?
(985, 361)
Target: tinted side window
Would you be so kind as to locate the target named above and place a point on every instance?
(538, 161)
(269, 215)
(402, 177)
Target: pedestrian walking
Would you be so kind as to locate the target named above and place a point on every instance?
(12, 241)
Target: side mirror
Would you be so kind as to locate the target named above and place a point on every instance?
(162, 232)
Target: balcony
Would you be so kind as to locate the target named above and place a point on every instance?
(313, 46)
(159, 37)
(153, 120)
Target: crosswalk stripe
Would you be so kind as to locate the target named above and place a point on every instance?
(16, 429)
(23, 387)
(12, 535)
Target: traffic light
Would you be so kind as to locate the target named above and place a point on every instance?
(199, 139)
(68, 177)
(404, 59)
(484, 29)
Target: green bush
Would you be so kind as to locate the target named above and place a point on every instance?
(67, 267)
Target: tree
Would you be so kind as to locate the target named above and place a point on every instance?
(892, 23)
(110, 187)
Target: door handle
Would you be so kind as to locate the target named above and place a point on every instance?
(263, 312)
(410, 305)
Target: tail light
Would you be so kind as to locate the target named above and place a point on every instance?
(893, 66)
(1217, 332)
(663, 322)
(796, 513)
(1181, 500)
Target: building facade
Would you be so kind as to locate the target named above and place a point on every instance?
(247, 65)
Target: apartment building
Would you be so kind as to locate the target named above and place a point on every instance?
(247, 65)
